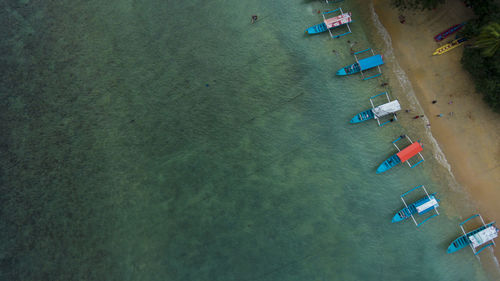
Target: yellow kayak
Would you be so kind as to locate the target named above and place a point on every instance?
(450, 46)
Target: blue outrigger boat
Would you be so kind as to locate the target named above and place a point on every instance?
(420, 207)
(378, 112)
(483, 235)
(403, 155)
(330, 23)
(363, 65)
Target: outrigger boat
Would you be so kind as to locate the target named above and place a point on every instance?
(450, 46)
(424, 205)
(449, 31)
(403, 155)
(363, 65)
(380, 111)
(330, 23)
(478, 237)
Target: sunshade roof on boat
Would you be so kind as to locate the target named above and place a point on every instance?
(429, 204)
(483, 236)
(371, 62)
(410, 151)
(385, 109)
(338, 20)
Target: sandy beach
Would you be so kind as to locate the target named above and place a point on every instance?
(469, 131)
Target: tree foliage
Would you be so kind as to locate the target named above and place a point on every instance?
(483, 62)
(416, 4)
(489, 39)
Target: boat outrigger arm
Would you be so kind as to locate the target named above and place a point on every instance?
(368, 63)
(343, 18)
(422, 206)
(484, 236)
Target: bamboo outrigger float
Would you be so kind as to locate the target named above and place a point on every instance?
(480, 236)
(387, 109)
(363, 65)
(450, 46)
(403, 155)
(330, 23)
(424, 205)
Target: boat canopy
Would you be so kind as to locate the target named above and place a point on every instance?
(386, 109)
(483, 236)
(370, 62)
(338, 20)
(409, 151)
(432, 203)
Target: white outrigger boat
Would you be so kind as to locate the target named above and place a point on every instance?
(387, 109)
(424, 205)
(481, 237)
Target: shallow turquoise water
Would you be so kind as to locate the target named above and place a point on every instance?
(169, 140)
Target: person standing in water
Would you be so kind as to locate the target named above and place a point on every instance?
(254, 18)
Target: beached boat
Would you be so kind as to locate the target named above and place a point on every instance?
(449, 31)
(403, 155)
(450, 46)
(482, 236)
(363, 65)
(378, 112)
(330, 23)
(424, 205)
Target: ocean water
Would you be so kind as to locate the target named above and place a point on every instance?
(175, 140)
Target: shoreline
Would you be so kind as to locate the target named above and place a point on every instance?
(467, 132)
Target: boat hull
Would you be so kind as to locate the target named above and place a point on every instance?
(463, 241)
(319, 28)
(448, 47)
(448, 32)
(388, 164)
(363, 116)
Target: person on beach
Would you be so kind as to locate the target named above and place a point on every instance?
(434, 101)
(440, 115)
(402, 19)
(254, 18)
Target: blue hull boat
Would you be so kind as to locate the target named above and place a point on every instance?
(363, 116)
(463, 241)
(388, 164)
(406, 212)
(319, 28)
(361, 65)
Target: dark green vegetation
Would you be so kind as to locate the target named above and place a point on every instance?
(482, 59)
(416, 4)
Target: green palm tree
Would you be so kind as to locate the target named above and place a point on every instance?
(489, 39)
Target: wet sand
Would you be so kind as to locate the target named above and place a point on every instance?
(469, 131)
